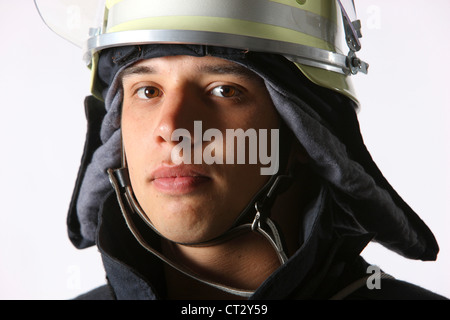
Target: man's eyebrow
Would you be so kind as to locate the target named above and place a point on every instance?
(228, 69)
(137, 70)
(213, 69)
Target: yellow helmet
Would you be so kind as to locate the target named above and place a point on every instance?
(312, 34)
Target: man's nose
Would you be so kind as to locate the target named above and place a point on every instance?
(180, 108)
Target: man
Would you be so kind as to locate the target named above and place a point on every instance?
(222, 95)
(186, 217)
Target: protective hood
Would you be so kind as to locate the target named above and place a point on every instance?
(324, 122)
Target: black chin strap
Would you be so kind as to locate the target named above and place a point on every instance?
(258, 211)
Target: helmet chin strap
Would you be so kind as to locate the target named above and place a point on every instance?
(257, 211)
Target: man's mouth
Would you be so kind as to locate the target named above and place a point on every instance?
(180, 179)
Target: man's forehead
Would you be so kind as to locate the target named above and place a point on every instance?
(205, 65)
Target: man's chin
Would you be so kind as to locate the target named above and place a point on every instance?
(191, 236)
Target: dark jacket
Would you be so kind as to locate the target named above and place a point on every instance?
(327, 266)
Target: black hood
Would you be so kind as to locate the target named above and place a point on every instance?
(324, 122)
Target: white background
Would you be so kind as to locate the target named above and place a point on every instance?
(404, 118)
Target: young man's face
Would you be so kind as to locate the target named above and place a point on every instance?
(198, 201)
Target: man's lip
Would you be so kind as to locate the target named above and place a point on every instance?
(177, 172)
(178, 180)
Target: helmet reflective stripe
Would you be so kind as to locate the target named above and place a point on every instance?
(237, 17)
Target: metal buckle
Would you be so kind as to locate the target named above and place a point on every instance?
(256, 224)
(352, 35)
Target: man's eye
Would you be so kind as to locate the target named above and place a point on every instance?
(148, 92)
(224, 91)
